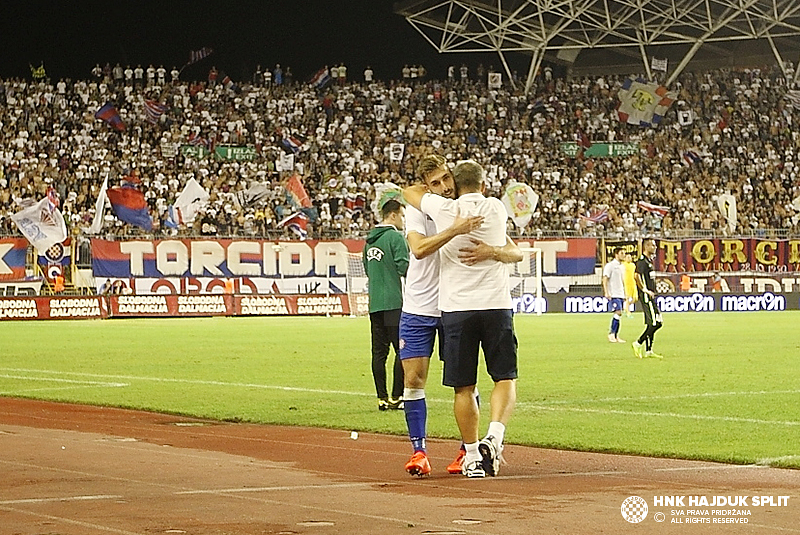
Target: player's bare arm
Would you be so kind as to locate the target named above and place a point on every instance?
(422, 246)
(606, 291)
(509, 253)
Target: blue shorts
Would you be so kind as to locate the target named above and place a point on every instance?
(417, 334)
(616, 303)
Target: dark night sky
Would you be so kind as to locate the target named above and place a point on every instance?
(71, 36)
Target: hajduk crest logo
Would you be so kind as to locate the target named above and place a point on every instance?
(634, 509)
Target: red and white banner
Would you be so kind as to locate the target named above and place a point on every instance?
(171, 305)
(44, 308)
(292, 305)
(227, 305)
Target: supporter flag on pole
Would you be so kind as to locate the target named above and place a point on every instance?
(685, 117)
(192, 199)
(293, 143)
(227, 83)
(643, 103)
(691, 157)
(99, 208)
(38, 73)
(354, 203)
(520, 201)
(52, 196)
(660, 211)
(255, 194)
(197, 55)
(42, 224)
(396, 151)
(296, 193)
(793, 96)
(597, 216)
(130, 206)
(285, 162)
(196, 140)
(154, 110)
(385, 192)
(380, 112)
(727, 205)
(297, 223)
(321, 78)
(659, 64)
(110, 115)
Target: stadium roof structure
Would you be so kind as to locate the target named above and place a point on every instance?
(595, 36)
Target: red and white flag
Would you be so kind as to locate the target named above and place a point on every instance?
(297, 223)
(153, 110)
(660, 211)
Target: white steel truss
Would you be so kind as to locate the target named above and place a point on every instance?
(631, 27)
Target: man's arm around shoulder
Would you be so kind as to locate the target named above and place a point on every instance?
(413, 195)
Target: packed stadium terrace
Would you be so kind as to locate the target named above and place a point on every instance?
(741, 139)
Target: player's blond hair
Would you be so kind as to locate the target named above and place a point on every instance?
(429, 164)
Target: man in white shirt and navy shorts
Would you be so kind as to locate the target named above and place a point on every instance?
(475, 301)
(421, 319)
(614, 291)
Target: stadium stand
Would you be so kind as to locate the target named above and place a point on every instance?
(736, 135)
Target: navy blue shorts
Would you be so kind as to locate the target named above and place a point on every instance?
(616, 303)
(417, 335)
(465, 332)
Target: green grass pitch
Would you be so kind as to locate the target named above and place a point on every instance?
(728, 388)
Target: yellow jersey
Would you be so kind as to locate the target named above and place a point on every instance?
(630, 280)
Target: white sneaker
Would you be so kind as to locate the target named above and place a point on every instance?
(612, 338)
(620, 341)
(491, 454)
(473, 469)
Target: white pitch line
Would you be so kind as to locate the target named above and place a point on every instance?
(280, 488)
(77, 384)
(196, 382)
(660, 414)
(714, 467)
(46, 389)
(767, 461)
(675, 396)
(60, 380)
(62, 499)
(522, 404)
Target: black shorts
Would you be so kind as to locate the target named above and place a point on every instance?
(651, 313)
(465, 332)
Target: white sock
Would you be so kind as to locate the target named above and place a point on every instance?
(472, 453)
(410, 394)
(497, 430)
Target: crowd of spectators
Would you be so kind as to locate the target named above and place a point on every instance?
(742, 137)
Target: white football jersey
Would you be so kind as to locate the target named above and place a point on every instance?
(421, 295)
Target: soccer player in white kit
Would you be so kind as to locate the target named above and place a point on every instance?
(614, 290)
(420, 320)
